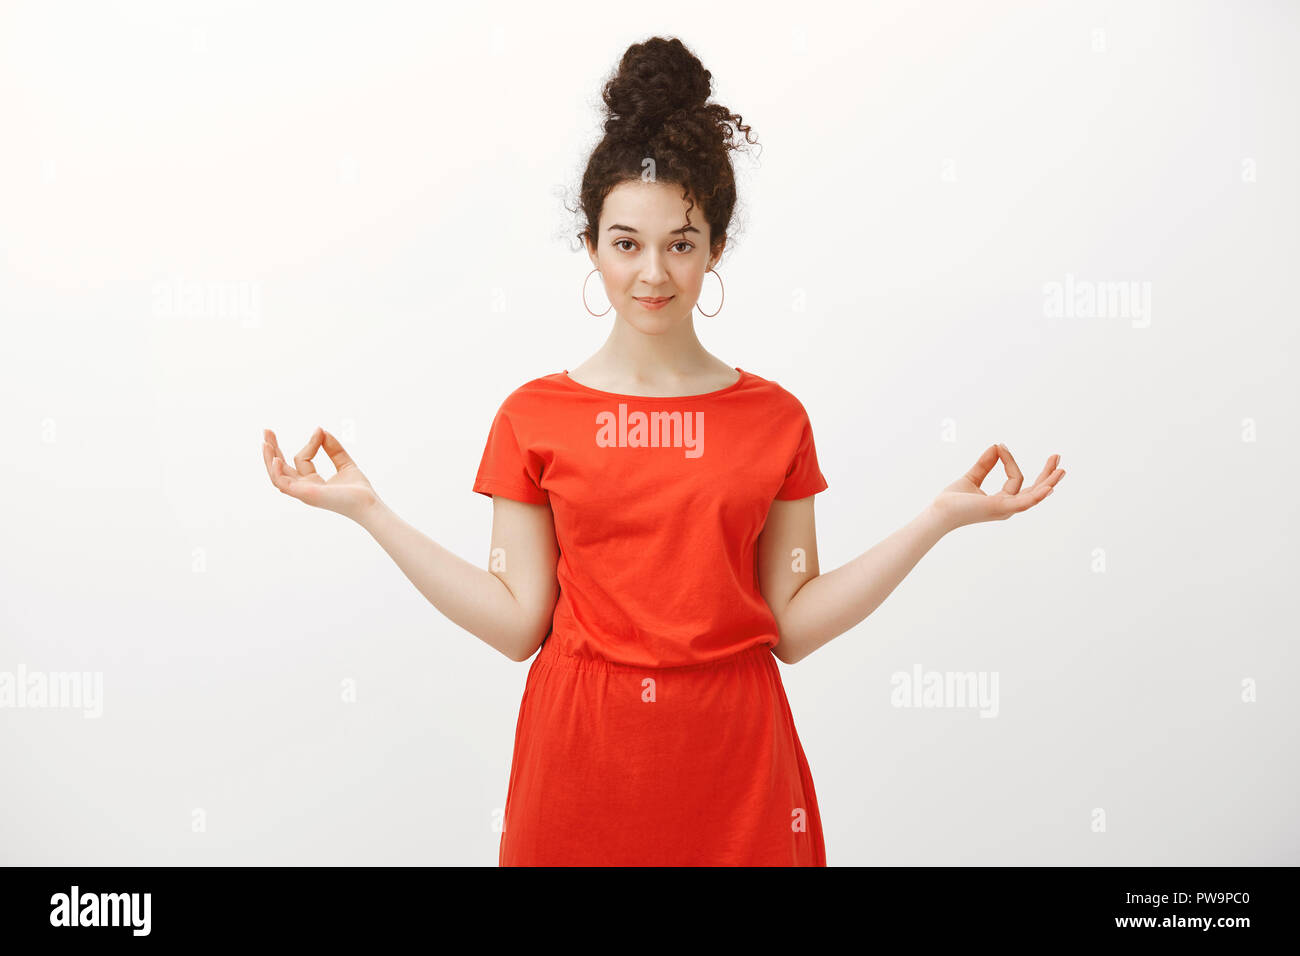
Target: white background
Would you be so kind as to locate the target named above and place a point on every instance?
(386, 180)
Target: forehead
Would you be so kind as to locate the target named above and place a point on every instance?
(649, 207)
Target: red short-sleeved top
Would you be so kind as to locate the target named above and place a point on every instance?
(657, 503)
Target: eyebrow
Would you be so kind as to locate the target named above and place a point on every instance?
(683, 230)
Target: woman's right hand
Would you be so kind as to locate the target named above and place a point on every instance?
(346, 492)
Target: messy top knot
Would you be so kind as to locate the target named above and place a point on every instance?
(655, 80)
(657, 108)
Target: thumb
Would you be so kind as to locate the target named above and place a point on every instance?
(334, 449)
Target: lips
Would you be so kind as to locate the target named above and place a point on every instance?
(653, 300)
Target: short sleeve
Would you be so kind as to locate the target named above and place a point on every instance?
(505, 469)
(803, 477)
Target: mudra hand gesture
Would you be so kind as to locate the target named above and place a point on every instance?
(346, 492)
(963, 503)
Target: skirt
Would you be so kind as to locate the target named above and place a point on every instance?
(622, 765)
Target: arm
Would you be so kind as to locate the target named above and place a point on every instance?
(812, 608)
(509, 607)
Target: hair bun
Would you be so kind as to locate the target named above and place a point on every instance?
(658, 108)
(655, 79)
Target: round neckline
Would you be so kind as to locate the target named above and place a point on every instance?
(565, 376)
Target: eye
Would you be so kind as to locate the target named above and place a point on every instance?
(624, 239)
(682, 242)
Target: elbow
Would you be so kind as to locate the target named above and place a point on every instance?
(519, 653)
(515, 648)
(785, 651)
(533, 628)
(786, 655)
(524, 650)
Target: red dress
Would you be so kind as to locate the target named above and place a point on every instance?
(654, 727)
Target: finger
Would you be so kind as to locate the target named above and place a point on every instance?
(268, 457)
(1014, 478)
(303, 458)
(1052, 479)
(1047, 470)
(335, 450)
(1028, 498)
(278, 476)
(291, 485)
(276, 453)
(980, 470)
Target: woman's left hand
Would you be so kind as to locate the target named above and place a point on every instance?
(963, 503)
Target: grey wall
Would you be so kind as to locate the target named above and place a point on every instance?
(217, 221)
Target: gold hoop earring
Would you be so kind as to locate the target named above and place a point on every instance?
(724, 298)
(584, 295)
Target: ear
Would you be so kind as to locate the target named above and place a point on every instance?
(715, 254)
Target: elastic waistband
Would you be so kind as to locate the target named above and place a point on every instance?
(550, 655)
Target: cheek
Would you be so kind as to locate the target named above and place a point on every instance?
(692, 278)
(688, 274)
(619, 275)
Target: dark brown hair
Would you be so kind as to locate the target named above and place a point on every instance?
(655, 106)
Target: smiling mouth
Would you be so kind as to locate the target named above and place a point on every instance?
(653, 300)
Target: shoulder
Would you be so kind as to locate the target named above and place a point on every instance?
(778, 398)
(528, 411)
(531, 394)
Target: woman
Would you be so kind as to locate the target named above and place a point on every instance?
(653, 533)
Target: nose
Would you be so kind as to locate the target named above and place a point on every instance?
(654, 273)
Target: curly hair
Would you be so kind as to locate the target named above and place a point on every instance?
(655, 107)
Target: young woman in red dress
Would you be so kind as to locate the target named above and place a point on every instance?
(654, 548)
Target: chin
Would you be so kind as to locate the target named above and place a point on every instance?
(655, 326)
